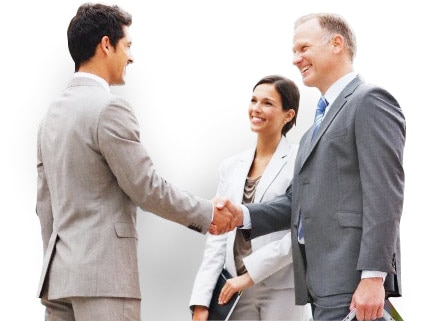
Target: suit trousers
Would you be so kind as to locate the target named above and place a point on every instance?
(92, 309)
(264, 303)
(333, 308)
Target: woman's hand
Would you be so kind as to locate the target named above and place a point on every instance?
(200, 313)
(233, 286)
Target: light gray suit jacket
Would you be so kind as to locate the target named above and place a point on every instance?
(271, 259)
(348, 186)
(93, 172)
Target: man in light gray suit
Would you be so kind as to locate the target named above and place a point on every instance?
(93, 172)
(345, 202)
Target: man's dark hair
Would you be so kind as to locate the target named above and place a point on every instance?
(90, 24)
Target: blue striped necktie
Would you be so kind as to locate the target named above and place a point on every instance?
(320, 110)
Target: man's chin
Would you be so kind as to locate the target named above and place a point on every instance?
(307, 82)
(119, 83)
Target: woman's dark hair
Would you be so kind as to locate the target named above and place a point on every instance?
(289, 94)
(90, 24)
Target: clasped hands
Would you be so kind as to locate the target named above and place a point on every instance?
(226, 216)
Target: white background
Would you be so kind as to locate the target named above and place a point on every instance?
(195, 65)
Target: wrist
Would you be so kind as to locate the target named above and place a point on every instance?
(199, 308)
(239, 217)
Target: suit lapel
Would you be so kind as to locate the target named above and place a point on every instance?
(340, 102)
(271, 172)
(273, 169)
(239, 176)
(241, 172)
(236, 180)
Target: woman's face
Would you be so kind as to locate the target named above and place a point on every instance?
(266, 114)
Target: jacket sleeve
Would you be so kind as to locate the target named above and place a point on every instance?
(213, 257)
(269, 259)
(207, 275)
(119, 142)
(271, 216)
(380, 139)
(43, 205)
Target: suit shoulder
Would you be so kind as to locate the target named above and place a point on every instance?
(234, 159)
(116, 99)
(364, 89)
(287, 148)
(293, 147)
(117, 106)
(374, 95)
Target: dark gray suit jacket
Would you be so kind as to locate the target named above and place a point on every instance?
(348, 186)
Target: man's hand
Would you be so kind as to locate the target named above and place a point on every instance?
(226, 216)
(368, 299)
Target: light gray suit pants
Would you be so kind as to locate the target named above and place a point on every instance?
(92, 309)
(264, 303)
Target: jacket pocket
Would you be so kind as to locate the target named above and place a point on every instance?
(336, 133)
(350, 219)
(125, 230)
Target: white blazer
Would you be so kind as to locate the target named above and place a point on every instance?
(271, 259)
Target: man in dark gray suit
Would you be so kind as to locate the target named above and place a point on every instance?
(345, 202)
(93, 172)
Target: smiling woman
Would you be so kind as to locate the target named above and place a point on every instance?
(194, 62)
(261, 268)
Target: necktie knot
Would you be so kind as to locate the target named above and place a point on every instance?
(321, 106)
(320, 110)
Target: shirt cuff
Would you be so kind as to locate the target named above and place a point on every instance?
(373, 274)
(246, 218)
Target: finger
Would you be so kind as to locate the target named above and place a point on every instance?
(363, 315)
(220, 203)
(226, 228)
(221, 298)
(213, 229)
(233, 209)
(222, 295)
(378, 314)
(235, 222)
(228, 296)
(238, 215)
(352, 306)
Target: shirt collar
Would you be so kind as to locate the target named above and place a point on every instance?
(100, 80)
(333, 92)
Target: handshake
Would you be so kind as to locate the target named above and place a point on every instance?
(226, 216)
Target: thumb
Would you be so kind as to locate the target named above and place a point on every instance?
(352, 306)
(220, 202)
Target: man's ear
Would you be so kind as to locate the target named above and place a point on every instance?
(338, 42)
(105, 45)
